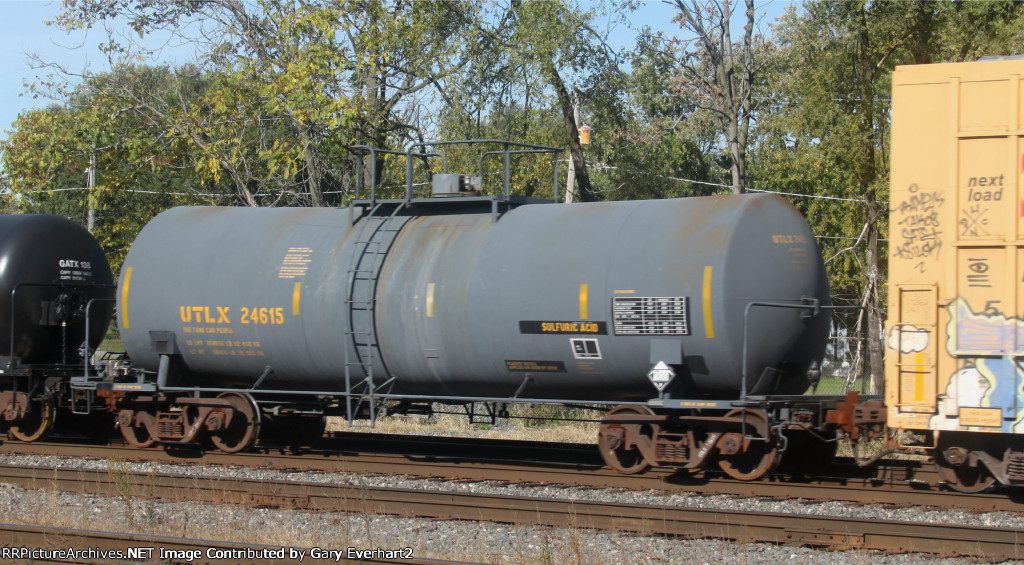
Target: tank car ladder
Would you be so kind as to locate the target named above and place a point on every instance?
(373, 240)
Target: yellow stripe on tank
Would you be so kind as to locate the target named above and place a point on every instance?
(709, 326)
(296, 298)
(584, 301)
(124, 297)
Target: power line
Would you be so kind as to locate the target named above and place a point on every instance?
(136, 191)
(600, 166)
(846, 238)
(815, 196)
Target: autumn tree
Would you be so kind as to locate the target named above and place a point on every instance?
(719, 74)
(293, 83)
(542, 59)
(137, 171)
(653, 143)
(826, 133)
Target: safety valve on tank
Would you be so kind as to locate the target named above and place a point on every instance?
(451, 184)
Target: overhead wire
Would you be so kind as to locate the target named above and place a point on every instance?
(598, 166)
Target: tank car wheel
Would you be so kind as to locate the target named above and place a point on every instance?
(756, 460)
(613, 449)
(37, 424)
(960, 476)
(136, 436)
(244, 428)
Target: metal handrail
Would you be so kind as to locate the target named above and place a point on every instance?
(506, 190)
(373, 173)
(507, 152)
(88, 354)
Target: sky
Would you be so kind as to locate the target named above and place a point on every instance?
(23, 32)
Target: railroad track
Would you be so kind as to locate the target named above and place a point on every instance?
(812, 530)
(41, 544)
(902, 483)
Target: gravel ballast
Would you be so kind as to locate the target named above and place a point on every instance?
(471, 541)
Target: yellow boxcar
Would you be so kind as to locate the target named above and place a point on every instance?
(955, 332)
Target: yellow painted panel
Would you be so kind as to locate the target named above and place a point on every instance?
(984, 105)
(982, 301)
(985, 172)
(1016, 207)
(296, 298)
(1020, 101)
(912, 343)
(917, 391)
(922, 373)
(918, 153)
(956, 222)
(922, 207)
(584, 302)
(917, 306)
(1019, 306)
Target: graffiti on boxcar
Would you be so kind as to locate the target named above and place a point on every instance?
(974, 222)
(989, 332)
(918, 234)
(991, 380)
(908, 339)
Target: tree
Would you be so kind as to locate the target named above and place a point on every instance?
(294, 83)
(659, 145)
(541, 58)
(719, 74)
(827, 132)
(139, 171)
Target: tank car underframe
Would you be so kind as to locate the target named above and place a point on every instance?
(31, 395)
(68, 304)
(745, 439)
(230, 421)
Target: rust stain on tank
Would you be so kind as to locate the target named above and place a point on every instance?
(709, 221)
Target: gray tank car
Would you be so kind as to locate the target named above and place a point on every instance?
(696, 320)
(583, 298)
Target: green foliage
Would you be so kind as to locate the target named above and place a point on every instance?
(826, 133)
(290, 84)
(280, 89)
(651, 139)
(540, 58)
(139, 169)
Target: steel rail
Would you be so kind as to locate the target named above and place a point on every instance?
(833, 532)
(43, 544)
(895, 483)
